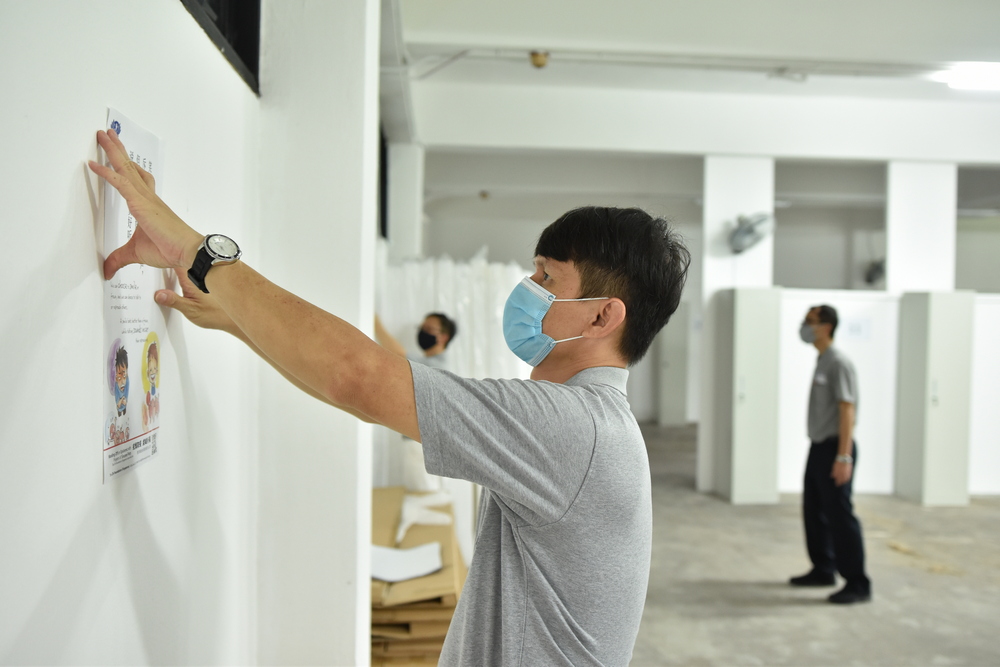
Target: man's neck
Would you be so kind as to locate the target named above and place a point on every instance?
(823, 345)
(434, 351)
(561, 370)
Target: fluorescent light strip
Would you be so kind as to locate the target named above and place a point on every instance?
(971, 76)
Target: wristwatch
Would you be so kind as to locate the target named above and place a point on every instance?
(215, 249)
(844, 458)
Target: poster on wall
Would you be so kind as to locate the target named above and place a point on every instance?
(134, 328)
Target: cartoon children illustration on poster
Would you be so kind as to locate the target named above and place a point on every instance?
(150, 377)
(116, 428)
(121, 381)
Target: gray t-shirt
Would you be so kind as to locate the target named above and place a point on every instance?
(437, 361)
(833, 382)
(565, 526)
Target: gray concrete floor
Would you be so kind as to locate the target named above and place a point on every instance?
(718, 593)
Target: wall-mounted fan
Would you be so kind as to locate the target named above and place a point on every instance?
(750, 230)
(875, 271)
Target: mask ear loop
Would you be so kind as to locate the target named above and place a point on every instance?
(589, 298)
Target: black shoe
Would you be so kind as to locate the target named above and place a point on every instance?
(851, 594)
(813, 578)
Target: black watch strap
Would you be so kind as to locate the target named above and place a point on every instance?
(198, 270)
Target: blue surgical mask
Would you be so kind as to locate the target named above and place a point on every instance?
(522, 321)
(807, 334)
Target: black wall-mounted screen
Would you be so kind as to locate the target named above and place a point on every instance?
(383, 185)
(234, 27)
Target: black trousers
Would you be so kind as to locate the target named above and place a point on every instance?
(833, 533)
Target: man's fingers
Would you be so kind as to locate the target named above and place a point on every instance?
(119, 182)
(146, 177)
(170, 299)
(187, 287)
(117, 259)
(120, 161)
(113, 148)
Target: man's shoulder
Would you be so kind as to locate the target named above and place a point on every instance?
(839, 359)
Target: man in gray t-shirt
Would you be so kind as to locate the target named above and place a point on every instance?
(562, 553)
(833, 532)
(562, 558)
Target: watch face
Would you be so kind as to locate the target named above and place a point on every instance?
(222, 246)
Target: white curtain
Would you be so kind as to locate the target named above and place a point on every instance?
(473, 294)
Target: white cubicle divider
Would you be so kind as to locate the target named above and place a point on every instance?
(933, 407)
(746, 461)
(868, 334)
(984, 422)
(744, 394)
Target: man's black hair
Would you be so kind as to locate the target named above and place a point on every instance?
(827, 315)
(121, 358)
(624, 253)
(448, 326)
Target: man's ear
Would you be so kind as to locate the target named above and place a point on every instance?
(607, 320)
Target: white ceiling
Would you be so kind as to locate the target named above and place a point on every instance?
(874, 48)
(854, 48)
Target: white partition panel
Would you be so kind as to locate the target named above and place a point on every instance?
(867, 333)
(984, 427)
(933, 406)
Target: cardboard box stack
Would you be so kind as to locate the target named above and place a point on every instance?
(410, 618)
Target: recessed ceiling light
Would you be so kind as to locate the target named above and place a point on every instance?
(971, 76)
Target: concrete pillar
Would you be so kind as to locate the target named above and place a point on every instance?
(921, 203)
(319, 164)
(935, 364)
(933, 409)
(733, 186)
(406, 202)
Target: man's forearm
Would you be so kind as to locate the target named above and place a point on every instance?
(294, 380)
(322, 353)
(846, 444)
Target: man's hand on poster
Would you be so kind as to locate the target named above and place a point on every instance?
(201, 308)
(161, 238)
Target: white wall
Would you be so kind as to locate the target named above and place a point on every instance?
(976, 252)
(157, 566)
(161, 565)
(984, 427)
(826, 248)
(405, 201)
(920, 210)
(319, 132)
(867, 333)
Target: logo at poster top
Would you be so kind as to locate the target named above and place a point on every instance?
(117, 127)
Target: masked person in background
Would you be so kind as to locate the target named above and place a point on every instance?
(833, 533)
(562, 556)
(433, 337)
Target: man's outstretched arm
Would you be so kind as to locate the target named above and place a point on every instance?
(321, 351)
(202, 310)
